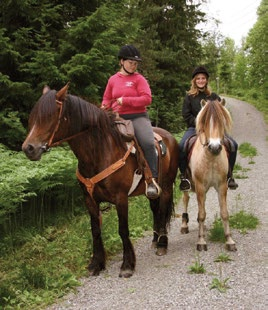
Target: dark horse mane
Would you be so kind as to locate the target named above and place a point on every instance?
(86, 116)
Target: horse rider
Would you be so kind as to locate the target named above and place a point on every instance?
(128, 93)
(191, 106)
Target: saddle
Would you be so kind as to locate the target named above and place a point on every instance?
(189, 143)
(126, 130)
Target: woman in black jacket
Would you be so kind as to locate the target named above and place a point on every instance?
(191, 106)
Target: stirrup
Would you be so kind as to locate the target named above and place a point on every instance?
(152, 190)
(185, 185)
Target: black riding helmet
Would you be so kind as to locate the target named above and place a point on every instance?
(129, 52)
(200, 69)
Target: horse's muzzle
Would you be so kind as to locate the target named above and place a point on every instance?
(34, 152)
(215, 149)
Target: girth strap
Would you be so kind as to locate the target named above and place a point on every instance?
(90, 183)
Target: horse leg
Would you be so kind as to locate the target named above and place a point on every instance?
(201, 198)
(97, 262)
(162, 210)
(185, 217)
(129, 259)
(222, 193)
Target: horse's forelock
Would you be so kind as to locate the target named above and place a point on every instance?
(44, 108)
(214, 113)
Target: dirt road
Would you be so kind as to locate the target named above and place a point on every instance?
(164, 282)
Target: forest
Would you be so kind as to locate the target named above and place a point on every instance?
(52, 42)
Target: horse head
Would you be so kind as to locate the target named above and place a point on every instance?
(212, 122)
(44, 122)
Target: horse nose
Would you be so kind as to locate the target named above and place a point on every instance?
(215, 148)
(28, 149)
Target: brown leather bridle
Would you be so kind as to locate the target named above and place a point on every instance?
(50, 142)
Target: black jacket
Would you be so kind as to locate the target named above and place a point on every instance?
(192, 106)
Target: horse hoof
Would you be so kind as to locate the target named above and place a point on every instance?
(184, 230)
(161, 251)
(231, 247)
(94, 272)
(126, 273)
(201, 247)
(95, 269)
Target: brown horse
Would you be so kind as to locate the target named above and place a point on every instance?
(208, 167)
(105, 167)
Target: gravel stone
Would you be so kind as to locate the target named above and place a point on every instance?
(165, 282)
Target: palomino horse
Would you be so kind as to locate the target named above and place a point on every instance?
(105, 167)
(208, 167)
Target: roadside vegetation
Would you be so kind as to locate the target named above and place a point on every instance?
(45, 242)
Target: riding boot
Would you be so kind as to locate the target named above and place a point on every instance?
(153, 190)
(185, 184)
(231, 183)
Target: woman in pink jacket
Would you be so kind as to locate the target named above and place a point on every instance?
(128, 93)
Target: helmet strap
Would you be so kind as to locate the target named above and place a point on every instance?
(126, 70)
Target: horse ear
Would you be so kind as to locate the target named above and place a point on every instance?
(203, 103)
(223, 102)
(46, 89)
(61, 94)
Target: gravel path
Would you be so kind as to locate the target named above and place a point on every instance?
(164, 282)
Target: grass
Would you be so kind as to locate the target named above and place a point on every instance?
(197, 267)
(240, 172)
(45, 265)
(220, 284)
(222, 258)
(247, 150)
(241, 220)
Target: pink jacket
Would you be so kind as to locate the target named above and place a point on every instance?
(134, 89)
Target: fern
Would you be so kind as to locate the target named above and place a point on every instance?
(22, 180)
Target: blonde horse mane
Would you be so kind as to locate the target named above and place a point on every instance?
(215, 114)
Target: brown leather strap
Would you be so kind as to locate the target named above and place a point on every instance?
(90, 183)
(57, 125)
(145, 167)
(159, 163)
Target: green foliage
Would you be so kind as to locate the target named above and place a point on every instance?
(22, 180)
(216, 232)
(243, 221)
(197, 267)
(240, 220)
(223, 258)
(50, 261)
(78, 42)
(220, 285)
(240, 172)
(11, 129)
(45, 234)
(247, 150)
(256, 43)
